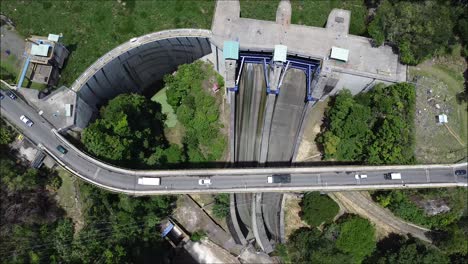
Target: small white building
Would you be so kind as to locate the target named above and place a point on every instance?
(441, 119)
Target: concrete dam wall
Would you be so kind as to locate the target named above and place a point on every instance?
(135, 66)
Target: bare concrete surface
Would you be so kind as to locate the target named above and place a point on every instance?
(207, 252)
(359, 203)
(379, 63)
(250, 255)
(250, 103)
(53, 106)
(287, 117)
(192, 218)
(24, 149)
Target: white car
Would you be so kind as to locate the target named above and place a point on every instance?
(360, 176)
(133, 39)
(204, 181)
(26, 120)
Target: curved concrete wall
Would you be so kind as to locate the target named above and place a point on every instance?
(134, 66)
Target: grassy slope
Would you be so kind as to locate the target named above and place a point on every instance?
(66, 198)
(263, 10)
(91, 28)
(309, 13)
(315, 13)
(167, 109)
(445, 78)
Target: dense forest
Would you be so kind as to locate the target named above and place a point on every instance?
(419, 29)
(130, 133)
(35, 229)
(352, 239)
(376, 127)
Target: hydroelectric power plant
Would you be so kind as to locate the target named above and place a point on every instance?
(274, 73)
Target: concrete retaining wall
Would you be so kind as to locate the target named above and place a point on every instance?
(135, 66)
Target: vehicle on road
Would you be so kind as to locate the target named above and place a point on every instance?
(393, 176)
(61, 149)
(460, 172)
(360, 176)
(133, 39)
(12, 95)
(204, 181)
(149, 181)
(279, 178)
(26, 120)
(1, 96)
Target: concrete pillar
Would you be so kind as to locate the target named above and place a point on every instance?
(258, 226)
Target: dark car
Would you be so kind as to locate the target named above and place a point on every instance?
(11, 95)
(61, 149)
(460, 172)
(1, 96)
(279, 178)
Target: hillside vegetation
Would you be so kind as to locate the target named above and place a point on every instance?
(376, 127)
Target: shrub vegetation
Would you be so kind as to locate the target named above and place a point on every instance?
(221, 207)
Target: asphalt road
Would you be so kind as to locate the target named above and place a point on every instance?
(225, 180)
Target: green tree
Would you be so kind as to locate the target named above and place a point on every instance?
(310, 246)
(375, 127)
(130, 133)
(197, 110)
(221, 207)
(63, 238)
(418, 28)
(6, 133)
(317, 208)
(399, 250)
(356, 238)
(197, 236)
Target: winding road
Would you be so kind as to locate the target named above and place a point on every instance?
(332, 178)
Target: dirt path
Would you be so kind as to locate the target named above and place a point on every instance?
(360, 203)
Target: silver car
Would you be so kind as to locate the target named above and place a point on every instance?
(26, 120)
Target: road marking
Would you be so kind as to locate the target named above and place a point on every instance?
(97, 172)
(428, 178)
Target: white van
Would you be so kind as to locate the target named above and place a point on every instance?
(149, 181)
(393, 176)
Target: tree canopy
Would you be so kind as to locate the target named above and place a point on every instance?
(349, 240)
(317, 208)
(400, 250)
(356, 238)
(375, 127)
(130, 132)
(418, 28)
(197, 110)
(221, 207)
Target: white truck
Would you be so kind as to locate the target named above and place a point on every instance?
(149, 181)
(393, 176)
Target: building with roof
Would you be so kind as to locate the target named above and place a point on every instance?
(45, 56)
